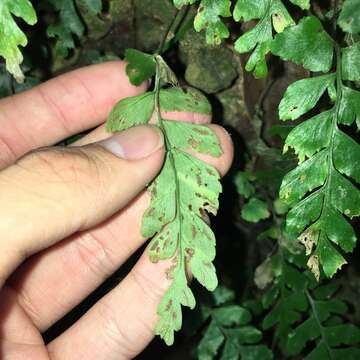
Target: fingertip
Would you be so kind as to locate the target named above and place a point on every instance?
(227, 146)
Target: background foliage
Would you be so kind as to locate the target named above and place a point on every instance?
(280, 75)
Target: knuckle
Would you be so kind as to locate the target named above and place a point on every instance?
(94, 254)
(73, 167)
(115, 332)
(151, 289)
(7, 154)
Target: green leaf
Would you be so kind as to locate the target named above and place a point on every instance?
(140, 67)
(161, 212)
(210, 343)
(344, 334)
(197, 138)
(311, 136)
(223, 295)
(345, 196)
(298, 338)
(306, 44)
(94, 6)
(308, 318)
(190, 100)
(236, 339)
(247, 10)
(304, 213)
(339, 231)
(180, 3)
(307, 177)
(303, 95)
(271, 14)
(11, 37)
(330, 259)
(231, 315)
(138, 109)
(169, 309)
(244, 335)
(69, 24)
(351, 62)
(286, 312)
(304, 4)
(312, 329)
(182, 192)
(349, 107)
(325, 292)
(347, 156)
(255, 210)
(232, 350)
(349, 19)
(243, 184)
(208, 18)
(131, 111)
(182, 235)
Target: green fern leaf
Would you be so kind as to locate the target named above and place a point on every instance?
(351, 62)
(140, 67)
(318, 219)
(303, 95)
(350, 107)
(349, 18)
(272, 14)
(180, 3)
(307, 44)
(69, 24)
(209, 18)
(181, 233)
(138, 109)
(182, 192)
(230, 335)
(255, 210)
(11, 37)
(304, 4)
(308, 318)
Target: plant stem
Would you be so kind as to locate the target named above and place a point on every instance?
(171, 158)
(174, 23)
(321, 328)
(335, 118)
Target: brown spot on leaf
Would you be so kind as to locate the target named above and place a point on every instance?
(190, 252)
(201, 131)
(193, 231)
(169, 305)
(193, 143)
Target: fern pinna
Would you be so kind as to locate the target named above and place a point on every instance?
(180, 195)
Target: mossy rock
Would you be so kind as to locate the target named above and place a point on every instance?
(208, 68)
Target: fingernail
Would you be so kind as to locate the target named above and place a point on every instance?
(136, 143)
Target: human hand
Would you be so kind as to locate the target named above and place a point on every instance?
(70, 217)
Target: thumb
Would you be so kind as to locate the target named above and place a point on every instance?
(52, 193)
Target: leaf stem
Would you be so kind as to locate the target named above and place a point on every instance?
(334, 128)
(321, 328)
(170, 154)
(174, 23)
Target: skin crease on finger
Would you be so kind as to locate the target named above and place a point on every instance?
(79, 264)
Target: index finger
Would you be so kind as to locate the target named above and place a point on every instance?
(61, 107)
